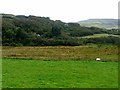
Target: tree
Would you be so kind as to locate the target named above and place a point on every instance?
(56, 30)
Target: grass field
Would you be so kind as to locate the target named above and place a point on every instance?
(88, 52)
(60, 67)
(99, 35)
(59, 74)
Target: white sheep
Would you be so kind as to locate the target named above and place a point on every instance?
(98, 59)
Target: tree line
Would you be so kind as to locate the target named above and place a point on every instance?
(31, 30)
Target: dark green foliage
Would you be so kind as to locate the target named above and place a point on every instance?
(103, 40)
(30, 30)
(113, 31)
(56, 29)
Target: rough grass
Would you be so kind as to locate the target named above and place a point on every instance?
(106, 53)
(58, 74)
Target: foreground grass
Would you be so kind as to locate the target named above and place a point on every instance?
(59, 74)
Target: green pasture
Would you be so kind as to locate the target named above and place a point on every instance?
(18, 73)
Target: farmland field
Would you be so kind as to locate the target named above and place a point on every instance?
(59, 74)
(88, 52)
(60, 67)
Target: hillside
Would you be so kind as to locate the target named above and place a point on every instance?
(21, 30)
(101, 23)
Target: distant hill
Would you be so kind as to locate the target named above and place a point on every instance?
(101, 23)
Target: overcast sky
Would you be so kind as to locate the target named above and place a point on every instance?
(65, 10)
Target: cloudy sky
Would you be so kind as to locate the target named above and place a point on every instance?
(65, 10)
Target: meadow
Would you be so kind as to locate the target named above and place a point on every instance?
(88, 52)
(60, 67)
(59, 74)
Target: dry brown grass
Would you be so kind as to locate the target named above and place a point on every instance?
(62, 52)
